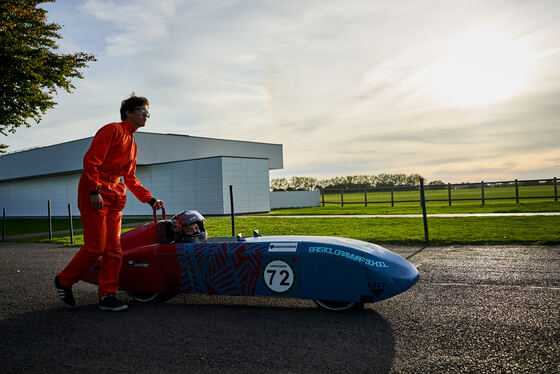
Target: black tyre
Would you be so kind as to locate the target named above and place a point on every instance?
(155, 297)
(338, 306)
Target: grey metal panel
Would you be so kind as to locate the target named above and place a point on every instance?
(55, 159)
(294, 199)
(158, 148)
(30, 197)
(153, 148)
(250, 181)
(195, 184)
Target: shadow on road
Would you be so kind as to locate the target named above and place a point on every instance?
(417, 252)
(182, 336)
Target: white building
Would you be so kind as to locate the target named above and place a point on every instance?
(186, 172)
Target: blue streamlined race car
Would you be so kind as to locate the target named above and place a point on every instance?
(336, 273)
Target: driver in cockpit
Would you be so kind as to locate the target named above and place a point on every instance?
(188, 227)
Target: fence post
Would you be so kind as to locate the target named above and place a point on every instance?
(555, 189)
(424, 215)
(482, 191)
(449, 192)
(365, 197)
(392, 197)
(323, 197)
(232, 212)
(3, 224)
(71, 224)
(516, 191)
(50, 219)
(341, 197)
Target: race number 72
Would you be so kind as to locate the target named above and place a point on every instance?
(278, 276)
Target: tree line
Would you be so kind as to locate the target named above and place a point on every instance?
(347, 182)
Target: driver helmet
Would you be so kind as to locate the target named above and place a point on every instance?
(182, 220)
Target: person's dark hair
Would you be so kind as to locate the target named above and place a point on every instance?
(132, 103)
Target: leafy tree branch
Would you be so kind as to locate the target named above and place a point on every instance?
(31, 71)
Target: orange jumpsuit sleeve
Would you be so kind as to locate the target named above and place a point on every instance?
(134, 184)
(96, 155)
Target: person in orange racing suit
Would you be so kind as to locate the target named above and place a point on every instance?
(101, 199)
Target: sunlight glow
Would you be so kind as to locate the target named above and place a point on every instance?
(483, 66)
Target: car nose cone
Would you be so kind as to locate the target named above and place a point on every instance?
(405, 276)
(396, 276)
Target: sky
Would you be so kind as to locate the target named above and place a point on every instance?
(455, 90)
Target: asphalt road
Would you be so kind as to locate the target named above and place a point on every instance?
(475, 309)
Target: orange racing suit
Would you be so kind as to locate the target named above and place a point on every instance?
(112, 154)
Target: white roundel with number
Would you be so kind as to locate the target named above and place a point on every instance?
(278, 276)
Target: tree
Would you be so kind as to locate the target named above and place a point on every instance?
(279, 184)
(303, 183)
(347, 182)
(414, 179)
(30, 70)
(432, 183)
(390, 180)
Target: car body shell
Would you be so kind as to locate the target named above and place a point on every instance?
(307, 267)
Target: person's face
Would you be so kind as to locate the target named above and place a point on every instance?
(138, 116)
(191, 229)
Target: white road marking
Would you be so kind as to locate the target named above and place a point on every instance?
(458, 215)
(494, 285)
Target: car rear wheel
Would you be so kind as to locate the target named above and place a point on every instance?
(338, 306)
(154, 297)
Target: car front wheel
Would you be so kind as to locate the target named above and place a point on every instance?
(338, 306)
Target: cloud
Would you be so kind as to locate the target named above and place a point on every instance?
(137, 23)
(341, 84)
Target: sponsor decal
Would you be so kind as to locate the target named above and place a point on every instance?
(282, 247)
(279, 276)
(348, 255)
(377, 288)
(377, 285)
(215, 268)
(138, 264)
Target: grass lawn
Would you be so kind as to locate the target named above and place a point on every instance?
(500, 195)
(494, 206)
(502, 230)
(471, 230)
(22, 226)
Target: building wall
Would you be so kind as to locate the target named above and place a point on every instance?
(194, 184)
(250, 181)
(294, 199)
(156, 148)
(30, 197)
(153, 149)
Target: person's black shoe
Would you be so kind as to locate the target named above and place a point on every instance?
(65, 293)
(111, 303)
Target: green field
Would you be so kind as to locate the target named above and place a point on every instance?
(497, 200)
(474, 230)
(496, 206)
(470, 230)
(500, 230)
(441, 196)
(23, 226)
